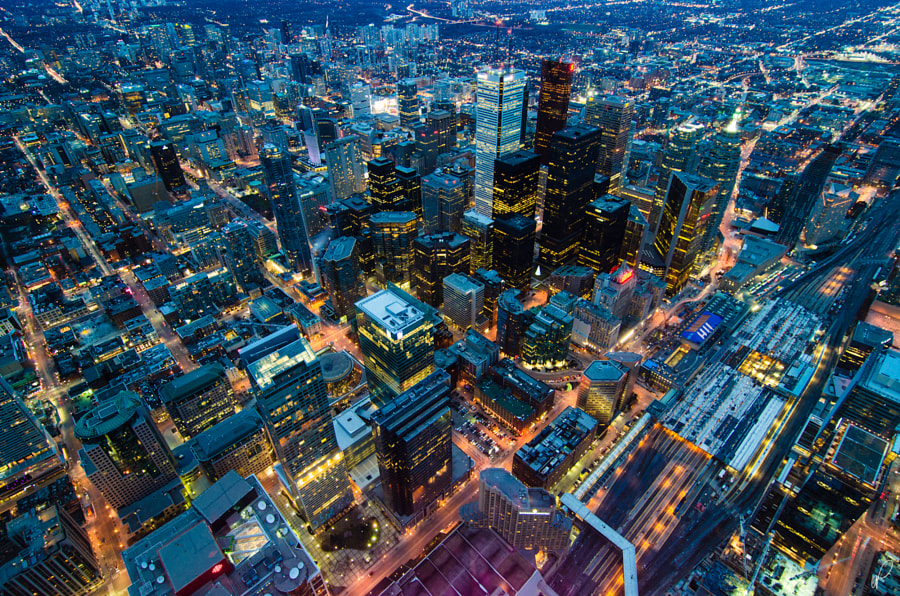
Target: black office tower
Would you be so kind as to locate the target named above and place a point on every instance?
(413, 445)
(279, 178)
(606, 220)
(514, 250)
(383, 185)
(553, 104)
(570, 179)
(165, 158)
(516, 178)
(435, 256)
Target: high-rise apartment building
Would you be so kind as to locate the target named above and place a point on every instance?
(526, 518)
(122, 452)
(289, 219)
(345, 167)
(606, 221)
(553, 103)
(199, 399)
(498, 126)
(240, 255)
(341, 276)
(570, 179)
(392, 237)
(514, 250)
(516, 181)
(293, 402)
(602, 390)
(613, 116)
(435, 256)
(413, 445)
(396, 337)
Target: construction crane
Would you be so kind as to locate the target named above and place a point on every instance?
(814, 570)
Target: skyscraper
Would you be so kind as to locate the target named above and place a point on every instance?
(396, 339)
(526, 518)
(384, 186)
(341, 276)
(442, 124)
(293, 402)
(678, 157)
(463, 300)
(602, 390)
(570, 179)
(392, 237)
(289, 220)
(413, 445)
(25, 449)
(498, 124)
(633, 239)
(514, 250)
(512, 321)
(516, 178)
(606, 221)
(553, 103)
(410, 189)
(479, 229)
(613, 116)
(122, 452)
(345, 167)
(721, 165)
(198, 400)
(443, 203)
(240, 255)
(682, 227)
(165, 158)
(435, 256)
(408, 103)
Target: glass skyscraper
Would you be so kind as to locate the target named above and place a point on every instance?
(292, 399)
(498, 128)
(396, 336)
(292, 229)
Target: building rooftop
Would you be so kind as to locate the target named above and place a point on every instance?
(191, 382)
(474, 562)
(340, 248)
(107, 416)
(462, 283)
(884, 378)
(860, 454)
(560, 438)
(335, 366)
(264, 371)
(349, 426)
(233, 540)
(392, 310)
(393, 217)
(604, 370)
(211, 442)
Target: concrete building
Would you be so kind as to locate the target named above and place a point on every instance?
(287, 379)
(526, 518)
(233, 540)
(463, 300)
(543, 460)
(199, 399)
(122, 453)
(239, 443)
